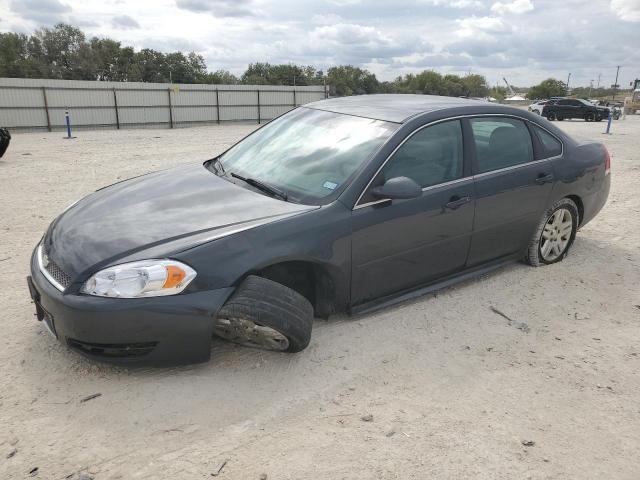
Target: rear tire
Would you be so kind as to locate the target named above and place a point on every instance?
(266, 314)
(555, 234)
(589, 117)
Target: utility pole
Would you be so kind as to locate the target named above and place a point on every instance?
(568, 78)
(615, 85)
(599, 76)
(590, 87)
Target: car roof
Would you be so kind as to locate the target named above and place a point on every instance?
(391, 107)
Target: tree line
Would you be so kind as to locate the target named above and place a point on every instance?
(65, 52)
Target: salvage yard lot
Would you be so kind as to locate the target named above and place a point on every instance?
(523, 373)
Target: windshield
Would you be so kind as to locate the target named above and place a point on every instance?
(308, 154)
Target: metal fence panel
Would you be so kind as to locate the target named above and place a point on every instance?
(16, 118)
(41, 104)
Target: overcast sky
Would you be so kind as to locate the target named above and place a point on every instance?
(524, 40)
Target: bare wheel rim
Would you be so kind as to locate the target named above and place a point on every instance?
(250, 334)
(556, 234)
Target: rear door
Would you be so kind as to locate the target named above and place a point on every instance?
(512, 188)
(399, 244)
(565, 109)
(580, 109)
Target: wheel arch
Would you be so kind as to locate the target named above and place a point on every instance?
(319, 283)
(578, 201)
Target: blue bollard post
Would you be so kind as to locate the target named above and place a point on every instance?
(609, 123)
(66, 118)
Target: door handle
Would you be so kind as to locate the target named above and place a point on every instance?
(544, 178)
(457, 202)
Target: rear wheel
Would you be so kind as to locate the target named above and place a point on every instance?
(555, 234)
(589, 117)
(266, 314)
(559, 118)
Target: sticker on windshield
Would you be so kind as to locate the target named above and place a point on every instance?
(330, 185)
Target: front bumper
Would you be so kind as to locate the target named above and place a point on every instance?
(171, 330)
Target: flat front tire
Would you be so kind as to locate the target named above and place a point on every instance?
(266, 314)
(555, 234)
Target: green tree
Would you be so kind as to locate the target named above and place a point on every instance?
(475, 86)
(219, 77)
(498, 92)
(546, 89)
(148, 66)
(350, 80)
(65, 50)
(284, 74)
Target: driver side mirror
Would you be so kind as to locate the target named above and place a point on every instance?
(397, 188)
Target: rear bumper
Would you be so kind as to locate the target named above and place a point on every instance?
(157, 331)
(593, 203)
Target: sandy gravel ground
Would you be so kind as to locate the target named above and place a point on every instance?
(450, 388)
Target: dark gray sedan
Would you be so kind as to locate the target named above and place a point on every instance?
(344, 204)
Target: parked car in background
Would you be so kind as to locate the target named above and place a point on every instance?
(567, 108)
(351, 203)
(614, 107)
(5, 139)
(538, 105)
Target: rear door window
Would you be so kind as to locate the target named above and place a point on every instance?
(501, 143)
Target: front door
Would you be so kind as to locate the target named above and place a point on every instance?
(512, 188)
(399, 244)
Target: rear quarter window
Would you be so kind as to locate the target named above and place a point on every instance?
(551, 146)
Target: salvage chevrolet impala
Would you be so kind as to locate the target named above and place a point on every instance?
(344, 204)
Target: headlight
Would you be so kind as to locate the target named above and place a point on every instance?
(147, 278)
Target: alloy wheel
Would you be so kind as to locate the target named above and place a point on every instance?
(556, 235)
(247, 333)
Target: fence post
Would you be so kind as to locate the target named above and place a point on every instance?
(258, 91)
(115, 104)
(217, 106)
(295, 104)
(46, 108)
(170, 109)
(67, 120)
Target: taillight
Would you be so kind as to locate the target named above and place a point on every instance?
(607, 161)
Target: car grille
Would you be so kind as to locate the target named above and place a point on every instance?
(58, 274)
(55, 272)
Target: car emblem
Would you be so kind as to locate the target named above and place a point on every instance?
(45, 260)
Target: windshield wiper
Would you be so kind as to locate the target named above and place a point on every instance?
(261, 186)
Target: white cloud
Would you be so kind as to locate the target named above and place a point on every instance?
(457, 3)
(480, 26)
(628, 10)
(125, 22)
(515, 7)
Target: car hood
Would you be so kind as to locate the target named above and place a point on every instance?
(156, 214)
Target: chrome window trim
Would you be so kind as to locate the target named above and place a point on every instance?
(44, 272)
(458, 117)
(512, 167)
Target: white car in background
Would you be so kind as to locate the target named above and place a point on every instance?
(538, 105)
